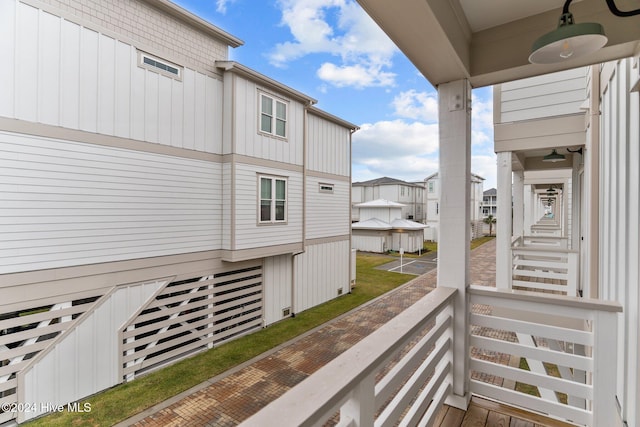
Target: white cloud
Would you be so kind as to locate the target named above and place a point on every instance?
(358, 76)
(221, 5)
(339, 28)
(416, 105)
(395, 148)
(485, 166)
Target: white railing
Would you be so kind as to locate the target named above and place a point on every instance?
(544, 264)
(509, 328)
(398, 375)
(546, 227)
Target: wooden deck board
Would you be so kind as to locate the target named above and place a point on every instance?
(487, 413)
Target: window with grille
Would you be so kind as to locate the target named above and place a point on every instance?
(273, 116)
(273, 199)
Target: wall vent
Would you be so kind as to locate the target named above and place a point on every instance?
(286, 312)
(339, 291)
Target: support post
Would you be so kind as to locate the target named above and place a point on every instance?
(454, 114)
(518, 203)
(504, 260)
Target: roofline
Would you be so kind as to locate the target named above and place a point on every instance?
(321, 113)
(236, 67)
(195, 21)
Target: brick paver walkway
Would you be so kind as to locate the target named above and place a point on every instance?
(232, 397)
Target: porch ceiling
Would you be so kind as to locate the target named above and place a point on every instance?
(489, 41)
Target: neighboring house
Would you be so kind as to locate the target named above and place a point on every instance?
(490, 203)
(432, 206)
(411, 195)
(381, 228)
(158, 199)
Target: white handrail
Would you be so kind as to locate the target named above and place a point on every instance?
(420, 337)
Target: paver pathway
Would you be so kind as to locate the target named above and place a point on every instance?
(232, 397)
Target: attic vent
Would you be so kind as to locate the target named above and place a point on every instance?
(159, 65)
(326, 188)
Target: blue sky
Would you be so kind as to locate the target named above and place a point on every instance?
(332, 51)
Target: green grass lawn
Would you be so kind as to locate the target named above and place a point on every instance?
(429, 246)
(126, 400)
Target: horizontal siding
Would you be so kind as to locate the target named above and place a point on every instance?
(65, 203)
(62, 74)
(277, 275)
(319, 272)
(329, 148)
(249, 142)
(543, 96)
(248, 234)
(327, 213)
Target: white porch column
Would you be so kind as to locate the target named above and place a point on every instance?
(503, 223)
(518, 203)
(454, 115)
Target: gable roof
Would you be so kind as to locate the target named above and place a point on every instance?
(385, 180)
(491, 192)
(380, 203)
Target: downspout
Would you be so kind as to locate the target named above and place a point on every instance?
(593, 146)
(351, 264)
(304, 206)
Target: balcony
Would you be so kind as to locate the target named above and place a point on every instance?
(539, 357)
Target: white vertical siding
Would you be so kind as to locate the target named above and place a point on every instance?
(620, 219)
(276, 275)
(370, 243)
(543, 96)
(84, 360)
(248, 233)
(65, 203)
(327, 213)
(328, 148)
(314, 281)
(250, 142)
(60, 73)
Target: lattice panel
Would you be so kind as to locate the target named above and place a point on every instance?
(190, 316)
(26, 332)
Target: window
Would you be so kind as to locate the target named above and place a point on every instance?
(273, 116)
(401, 190)
(159, 65)
(431, 187)
(326, 188)
(273, 199)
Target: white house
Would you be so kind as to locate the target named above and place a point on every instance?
(489, 203)
(157, 198)
(382, 228)
(409, 194)
(432, 206)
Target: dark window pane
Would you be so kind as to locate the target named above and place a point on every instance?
(280, 211)
(265, 210)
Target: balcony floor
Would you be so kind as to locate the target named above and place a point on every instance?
(486, 413)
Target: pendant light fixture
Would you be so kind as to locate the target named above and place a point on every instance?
(554, 157)
(568, 41)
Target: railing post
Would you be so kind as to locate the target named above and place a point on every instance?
(604, 373)
(572, 273)
(360, 408)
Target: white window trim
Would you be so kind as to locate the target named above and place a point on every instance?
(273, 200)
(274, 101)
(142, 64)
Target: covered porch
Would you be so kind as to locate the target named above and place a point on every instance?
(553, 321)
